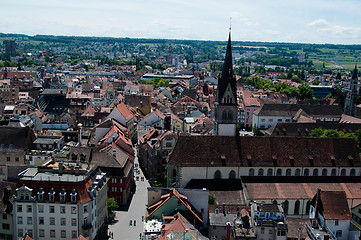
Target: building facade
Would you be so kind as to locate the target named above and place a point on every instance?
(60, 203)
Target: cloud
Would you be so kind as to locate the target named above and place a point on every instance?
(318, 22)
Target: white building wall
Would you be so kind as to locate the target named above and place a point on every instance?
(199, 199)
(265, 122)
(46, 215)
(343, 225)
(227, 129)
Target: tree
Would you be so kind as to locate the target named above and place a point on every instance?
(317, 132)
(338, 75)
(112, 206)
(289, 74)
(305, 91)
(211, 199)
(256, 131)
(296, 79)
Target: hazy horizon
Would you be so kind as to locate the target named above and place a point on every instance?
(319, 22)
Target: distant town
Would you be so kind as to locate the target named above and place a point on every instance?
(121, 138)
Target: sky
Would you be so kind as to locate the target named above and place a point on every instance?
(301, 21)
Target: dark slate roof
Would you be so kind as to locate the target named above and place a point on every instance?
(15, 138)
(268, 207)
(304, 129)
(292, 109)
(245, 151)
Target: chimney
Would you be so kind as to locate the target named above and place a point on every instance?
(61, 168)
(228, 231)
(77, 170)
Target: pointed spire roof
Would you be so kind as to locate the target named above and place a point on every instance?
(227, 73)
(354, 73)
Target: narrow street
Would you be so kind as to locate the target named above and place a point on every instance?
(122, 229)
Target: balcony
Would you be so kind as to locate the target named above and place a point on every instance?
(320, 233)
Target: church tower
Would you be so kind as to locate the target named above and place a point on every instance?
(226, 107)
(350, 103)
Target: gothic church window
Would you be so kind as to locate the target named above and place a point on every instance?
(230, 115)
(232, 174)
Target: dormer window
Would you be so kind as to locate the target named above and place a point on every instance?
(62, 195)
(73, 196)
(52, 195)
(41, 195)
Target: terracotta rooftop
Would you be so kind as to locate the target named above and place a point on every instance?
(262, 191)
(334, 205)
(124, 111)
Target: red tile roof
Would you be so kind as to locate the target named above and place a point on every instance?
(124, 111)
(334, 204)
(263, 191)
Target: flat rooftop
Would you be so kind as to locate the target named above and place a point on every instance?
(32, 174)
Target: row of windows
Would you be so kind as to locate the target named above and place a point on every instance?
(271, 120)
(62, 209)
(297, 172)
(227, 115)
(29, 221)
(52, 233)
(279, 172)
(117, 180)
(356, 218)
(114, 189)
(9, 159)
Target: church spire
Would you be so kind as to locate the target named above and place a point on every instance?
(227, 78)
(354, 73)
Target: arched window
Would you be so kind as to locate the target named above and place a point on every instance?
(230, 115)
(308, 207)
(217, 175)
(260, 172)
(73, 157)
(288, 172)
(352, 172)
(269, 172)
(298, 172)
(306, 172)
(343, 172)
(333, 172)
(224, 114)
(324, 172)
(174, 175)
(315, 172)
(232, 174)
(297, 207)
(228, 99)
(285, 207)
(82, 157)
(279, 172)
(251, 172)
